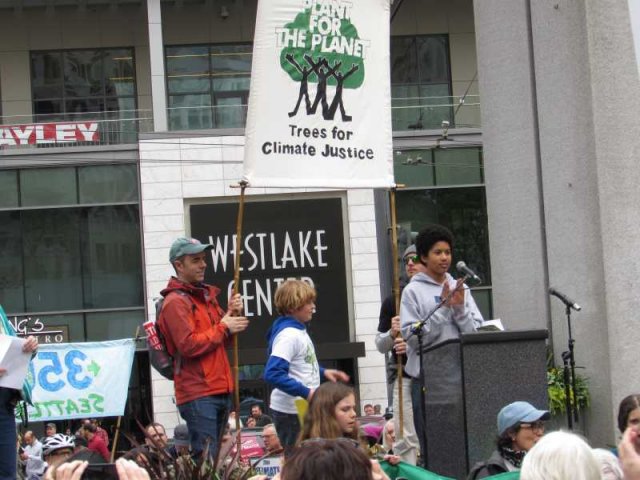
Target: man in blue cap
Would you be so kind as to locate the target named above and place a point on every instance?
(197, 330)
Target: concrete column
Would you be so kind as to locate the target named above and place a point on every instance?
(156, 56)
(615, 90)
(570, 193)
(560, 95)
(511, 162)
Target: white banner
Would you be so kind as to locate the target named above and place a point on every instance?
(80, 380)
(320, 102)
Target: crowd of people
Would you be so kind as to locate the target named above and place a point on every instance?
(333, 445)
(329, 443)
(35, 455)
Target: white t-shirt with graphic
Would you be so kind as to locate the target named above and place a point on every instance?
(295, 346)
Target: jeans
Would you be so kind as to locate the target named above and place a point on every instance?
(206, 419)
(287, 426)
(8, 448)
(418, 417)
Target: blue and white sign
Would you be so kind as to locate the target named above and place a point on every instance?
(80, 380)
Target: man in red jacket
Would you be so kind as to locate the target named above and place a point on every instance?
(197, 329)
(95, 442)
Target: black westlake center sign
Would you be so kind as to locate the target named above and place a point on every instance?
(302, 239)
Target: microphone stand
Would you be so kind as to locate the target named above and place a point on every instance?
(416, 330)
(569, 371)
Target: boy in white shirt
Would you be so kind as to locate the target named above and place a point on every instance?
(292, 368)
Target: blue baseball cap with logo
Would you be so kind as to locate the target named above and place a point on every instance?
(187, 246)
(519, 412)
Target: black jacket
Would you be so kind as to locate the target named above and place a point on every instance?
(493, 466)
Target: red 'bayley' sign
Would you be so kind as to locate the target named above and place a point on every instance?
(49, 133)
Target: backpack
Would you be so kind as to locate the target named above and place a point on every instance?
(484, 469)
(159, 356)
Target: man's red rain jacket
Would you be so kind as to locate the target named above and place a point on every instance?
(191, 326)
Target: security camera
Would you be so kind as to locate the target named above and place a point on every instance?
(224, 12)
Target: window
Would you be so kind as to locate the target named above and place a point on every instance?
(455, 198)
(420, 82)
(208, 85)
(74, 249)
(88, 84)
(8, 188)
(46, 186)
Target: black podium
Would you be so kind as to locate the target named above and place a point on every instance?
(468, 381)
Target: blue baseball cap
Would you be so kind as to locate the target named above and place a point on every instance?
(187, 246)
(519, 412)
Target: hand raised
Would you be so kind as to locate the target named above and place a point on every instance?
(236, 305)
(335, 375)
(399, 346)
(458, 296)
(30, 345)
(395, 326)
(235, 324)
(629, 451)
(129, 470)
(71, 471)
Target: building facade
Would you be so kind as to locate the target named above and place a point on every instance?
(152, 98)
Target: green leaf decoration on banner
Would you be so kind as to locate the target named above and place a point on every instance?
(341, 49)
(94, 368)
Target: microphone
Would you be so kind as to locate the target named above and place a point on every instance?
(462, 268)
(566, 300)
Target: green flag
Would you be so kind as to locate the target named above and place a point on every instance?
(410, 472)
(506, 476)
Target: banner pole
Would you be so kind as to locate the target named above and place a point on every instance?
(115, 440)
(396, 293)
(136, 337)
(236, 289)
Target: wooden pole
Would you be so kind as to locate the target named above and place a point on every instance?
(115, 440)
(236, 289)
(396, 293)
(136, 337)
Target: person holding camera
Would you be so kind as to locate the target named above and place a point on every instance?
(629, 452)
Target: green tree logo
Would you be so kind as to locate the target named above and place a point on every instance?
(322, 46)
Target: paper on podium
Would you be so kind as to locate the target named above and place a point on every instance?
(14, 361)
(491, 326)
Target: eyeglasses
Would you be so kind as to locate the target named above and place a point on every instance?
(534, 426)
(412, 258)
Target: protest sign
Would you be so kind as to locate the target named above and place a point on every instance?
(14, 361)
(320, 101)
(80, 380)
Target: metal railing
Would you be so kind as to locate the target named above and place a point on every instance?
(408, 113)
(426, 113)
(123, 126)
(19, 132)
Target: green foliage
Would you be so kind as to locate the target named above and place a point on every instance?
(557, 393)
(348, 32)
